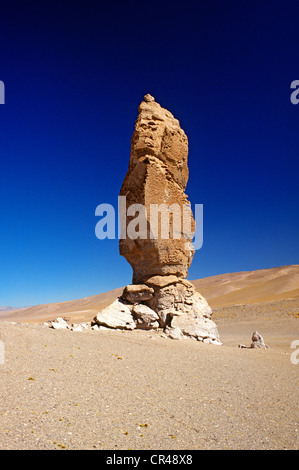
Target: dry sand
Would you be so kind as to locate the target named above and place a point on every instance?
(138, 390)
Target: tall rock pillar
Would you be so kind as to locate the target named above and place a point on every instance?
(158, 229)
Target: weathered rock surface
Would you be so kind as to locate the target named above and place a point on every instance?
(162, 281)
(137, 293)
(258, 341)
(156, 235)
(116, 315)
(179, 299)
(145, 317)
(158, 174)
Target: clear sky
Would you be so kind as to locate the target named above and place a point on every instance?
(75, 73)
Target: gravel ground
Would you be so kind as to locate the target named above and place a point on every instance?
(137, 390)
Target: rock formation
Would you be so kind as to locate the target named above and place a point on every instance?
(158, 242)
(257, 341)
(158, 174)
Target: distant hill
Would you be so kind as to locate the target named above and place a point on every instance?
(222, 290)
(9, 309)
(250, 286)
(79, 310)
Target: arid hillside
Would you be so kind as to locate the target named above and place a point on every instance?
(250, 286)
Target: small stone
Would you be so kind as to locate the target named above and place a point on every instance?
(174, 333)
(76, 327)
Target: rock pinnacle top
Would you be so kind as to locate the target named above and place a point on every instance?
(148, 98)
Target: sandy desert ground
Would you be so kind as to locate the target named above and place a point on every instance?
(113, 390)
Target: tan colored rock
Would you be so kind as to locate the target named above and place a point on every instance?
(155, 238)
(158, 174)
(137, 293)
(162, 281)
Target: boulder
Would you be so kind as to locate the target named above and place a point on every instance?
(145, 317)
(116, 315)
(257, 341)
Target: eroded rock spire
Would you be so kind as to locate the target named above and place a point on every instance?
(157, 175)
(158, 242)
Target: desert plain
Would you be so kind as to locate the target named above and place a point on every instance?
(118, 389)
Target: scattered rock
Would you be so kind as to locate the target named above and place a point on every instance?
(257, 341)
(59, 324)
(76, 327)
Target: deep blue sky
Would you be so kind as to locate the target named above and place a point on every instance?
(75, 73)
